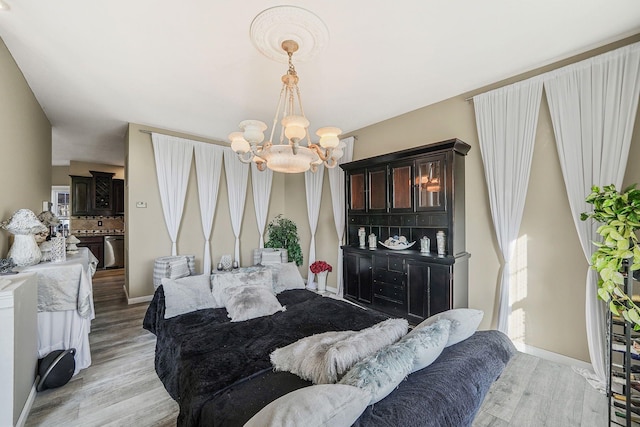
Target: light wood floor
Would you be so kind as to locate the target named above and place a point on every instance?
(121, 388)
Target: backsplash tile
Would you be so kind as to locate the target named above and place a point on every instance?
(89, 225)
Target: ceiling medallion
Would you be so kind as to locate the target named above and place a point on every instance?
(275, 25)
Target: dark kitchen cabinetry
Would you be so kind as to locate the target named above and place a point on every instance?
(81, 195)
(95, 245)
(412, 193)
(97, 195)
(118, 197)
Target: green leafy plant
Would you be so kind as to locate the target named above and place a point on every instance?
(620, 214)
(283, 233)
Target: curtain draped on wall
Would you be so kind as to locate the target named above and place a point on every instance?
(208, 167)
(313, 191)
(507, 120)
(593, 107)
(173, 164)
(337, 186)
(237, 174)
(261, 184)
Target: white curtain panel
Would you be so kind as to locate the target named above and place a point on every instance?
(506, 119)
(313, 191)
(173, 164)
(237, 174)
(593, 107)
(208, 167)
(337, 186)
(261, 185)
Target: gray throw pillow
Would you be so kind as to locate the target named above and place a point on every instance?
(186, 294)
(286, 276)
(464, 323)
(249, 302)
(179, 268)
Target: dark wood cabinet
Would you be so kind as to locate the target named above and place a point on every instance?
(81, 195)
(118, 197)
(357, 273)
(95, 245)
(97, 195)
(412, 193)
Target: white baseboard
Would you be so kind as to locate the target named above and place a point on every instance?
(27, 407)
(136, 300)
(551, 356)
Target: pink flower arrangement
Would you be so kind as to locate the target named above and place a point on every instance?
(320, 266)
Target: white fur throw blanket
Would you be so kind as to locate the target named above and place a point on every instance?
(324, 358)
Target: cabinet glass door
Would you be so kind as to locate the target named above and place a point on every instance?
(430, 184)
(401, 187)
(378, 189)
(356, 191)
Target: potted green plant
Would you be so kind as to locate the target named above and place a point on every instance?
(283, 233)
(619, 213)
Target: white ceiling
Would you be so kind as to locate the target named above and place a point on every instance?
(191, 67)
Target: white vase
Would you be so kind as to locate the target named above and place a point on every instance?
(25, 250)
(322, 280)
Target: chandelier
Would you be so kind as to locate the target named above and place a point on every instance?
(293, 152)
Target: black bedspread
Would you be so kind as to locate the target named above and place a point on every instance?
(201, 353)
(220, 374)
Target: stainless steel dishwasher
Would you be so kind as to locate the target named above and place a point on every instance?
(113, 251)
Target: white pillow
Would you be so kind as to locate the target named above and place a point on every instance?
(271, 257)
(286, 276)
(428, 343)
(179, 268)
(380, 373)
(323, 358)
(249, 302)
(334, 405)
(186, 294)
(220, 282)
(464, 323)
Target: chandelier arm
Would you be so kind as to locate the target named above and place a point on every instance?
(324, 153)
(247, 156)
(331, 163)
(275, 118)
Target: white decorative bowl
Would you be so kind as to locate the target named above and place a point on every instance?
(397, 247)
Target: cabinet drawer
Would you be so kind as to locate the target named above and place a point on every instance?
(396, 264)
(432, 220)
(390, 291)
(392, 277)
(395, 220)
(359, 219)
(378, 220)
(408, 220)
(392, 307)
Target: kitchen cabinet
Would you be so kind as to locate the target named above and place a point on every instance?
(81, 195)
(413, 193)
(99, 195)
(118, 197)
(95, 245)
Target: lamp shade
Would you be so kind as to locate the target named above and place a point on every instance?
(295, 127)
(238, 143)
(329, 137)
(253, 130)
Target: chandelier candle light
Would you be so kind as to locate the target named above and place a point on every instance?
(292, 155)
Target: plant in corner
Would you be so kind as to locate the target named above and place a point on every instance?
(283, 233)
(620, 214)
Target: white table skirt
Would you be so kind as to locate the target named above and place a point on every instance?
(60, 330)
(64, 329)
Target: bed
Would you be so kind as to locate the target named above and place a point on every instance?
(220, 372)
